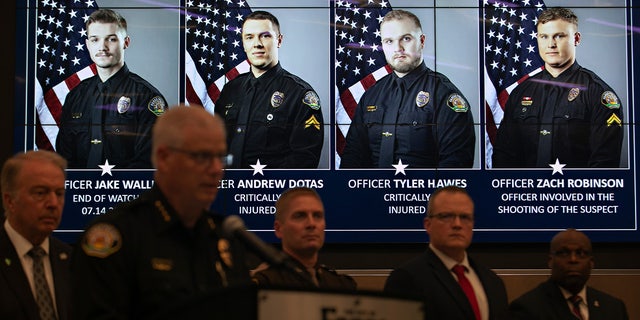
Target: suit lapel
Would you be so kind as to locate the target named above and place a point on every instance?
(558, 302)
(59, 257)
(596, 310)
(444, 276)
(11, 270)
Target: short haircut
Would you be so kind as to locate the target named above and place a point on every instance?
(12, 167)
(107, 16)
(168, 130)
(400, 15)
(288, 195)
(449, 189)
(263, 15)
(556, 13)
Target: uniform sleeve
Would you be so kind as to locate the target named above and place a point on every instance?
(606, 128)
(100, 278)
(455, 132)
(357, 153)
(155, 106)
(505, 146)
(307, 134)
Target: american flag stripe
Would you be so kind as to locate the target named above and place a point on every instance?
(511, 56)
(61, 62)
(214, 54)
(360, 61)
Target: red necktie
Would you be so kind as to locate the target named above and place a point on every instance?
(468, 289)
(575, 301)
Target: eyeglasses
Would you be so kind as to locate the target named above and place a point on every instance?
(566, 253)
(203, 158)
(451, 217)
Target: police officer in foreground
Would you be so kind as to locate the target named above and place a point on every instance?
(272, 116)
(413, 115)
(164, 249)
(109, 116)
(300, 223)
(565, 112)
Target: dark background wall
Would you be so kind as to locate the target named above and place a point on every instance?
(342, 256)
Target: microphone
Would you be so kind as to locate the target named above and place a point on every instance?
(233, 226)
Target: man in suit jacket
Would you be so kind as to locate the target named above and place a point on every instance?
(449, 223)
(571, 262)
(33, 197)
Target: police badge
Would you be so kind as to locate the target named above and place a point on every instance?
(277, 98)
(457, 103)
(573, 94)
(124, 103)
(422, 98)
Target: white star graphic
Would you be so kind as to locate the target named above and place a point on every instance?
(400, 167)
(106, 168)
(557, 167)
(257, 168)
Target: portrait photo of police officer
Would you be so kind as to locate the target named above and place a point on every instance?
(571, 112)
(418, 115)
(274, 117)
(108, 117)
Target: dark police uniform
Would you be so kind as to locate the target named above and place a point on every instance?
(421, 118)
(138, 261)
(275, 118)
(575, 118)
(109, 121)
(326, 278)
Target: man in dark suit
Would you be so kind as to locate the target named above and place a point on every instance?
(472, 291)
(563, 296)
(34, 266)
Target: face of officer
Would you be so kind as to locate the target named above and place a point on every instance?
(301, 226)
(261, 41)
(402, 43)
(450, 223)
(106, 44)
(34, 208)
(557, 41)
(189, 167)
(570, 260)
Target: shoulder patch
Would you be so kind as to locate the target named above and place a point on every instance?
(312, 100)
(101, 240)
(610, 100)
(457, 103)
(157, 106)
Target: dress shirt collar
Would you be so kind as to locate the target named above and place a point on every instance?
(448, 261)
(582, 294)
(410, 78)
(20, 243)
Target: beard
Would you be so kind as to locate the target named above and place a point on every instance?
(405, 66)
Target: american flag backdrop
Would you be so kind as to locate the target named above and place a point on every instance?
(214, 48)
(359, 60)
(62, 61)
(511, 55)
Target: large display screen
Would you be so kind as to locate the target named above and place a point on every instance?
(489, 50)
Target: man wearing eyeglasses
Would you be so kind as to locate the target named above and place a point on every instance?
(565, 295)
(165, 249)
(452, 284)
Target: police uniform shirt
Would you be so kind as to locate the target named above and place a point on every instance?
(434, 127)
(325, 278)
(575, 118)
(139, 261)
(275, 118)
(128, 107)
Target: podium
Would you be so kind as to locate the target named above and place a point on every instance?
(252, 303)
